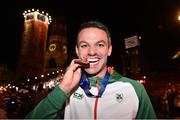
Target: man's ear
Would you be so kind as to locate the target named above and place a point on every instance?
(77, 52)
(109, 50)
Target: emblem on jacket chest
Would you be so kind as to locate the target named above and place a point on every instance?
(119, 97)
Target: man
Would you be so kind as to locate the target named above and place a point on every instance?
(94, 91)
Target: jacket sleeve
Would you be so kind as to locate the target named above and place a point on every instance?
(50, 106)
(146, 110)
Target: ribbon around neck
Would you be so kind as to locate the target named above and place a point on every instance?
(85, 84)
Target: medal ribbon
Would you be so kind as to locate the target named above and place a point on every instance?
(85, 85)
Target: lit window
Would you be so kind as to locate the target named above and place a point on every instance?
(41, 17)
(29, 17)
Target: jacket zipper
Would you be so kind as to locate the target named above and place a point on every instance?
(96, 101)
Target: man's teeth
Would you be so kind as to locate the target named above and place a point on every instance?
(92, 60)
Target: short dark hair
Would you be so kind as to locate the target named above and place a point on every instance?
(94, 24)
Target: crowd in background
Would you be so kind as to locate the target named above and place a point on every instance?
(170, 101)
(167, 103)
(17, 104)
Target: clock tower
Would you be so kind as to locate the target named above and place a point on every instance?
(56, 53)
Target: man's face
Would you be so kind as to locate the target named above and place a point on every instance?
(93, 46)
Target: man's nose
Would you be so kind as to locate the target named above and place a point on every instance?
(92, 51)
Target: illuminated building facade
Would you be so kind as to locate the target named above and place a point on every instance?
(133, 64)
(56, 54)
(33, 45)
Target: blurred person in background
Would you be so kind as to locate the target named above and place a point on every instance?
(3, 100)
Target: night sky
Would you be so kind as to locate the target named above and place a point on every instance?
(154, 20)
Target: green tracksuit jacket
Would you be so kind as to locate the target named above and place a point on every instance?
(123, 98)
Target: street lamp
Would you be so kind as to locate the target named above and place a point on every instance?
(179, 17)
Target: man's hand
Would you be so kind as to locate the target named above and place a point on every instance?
(71, 78)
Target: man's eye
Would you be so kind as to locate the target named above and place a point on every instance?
(83, 46)
(101, 45)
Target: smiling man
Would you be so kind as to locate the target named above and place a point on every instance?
(92, 90)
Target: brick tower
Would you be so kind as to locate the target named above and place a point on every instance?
(33, 46)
